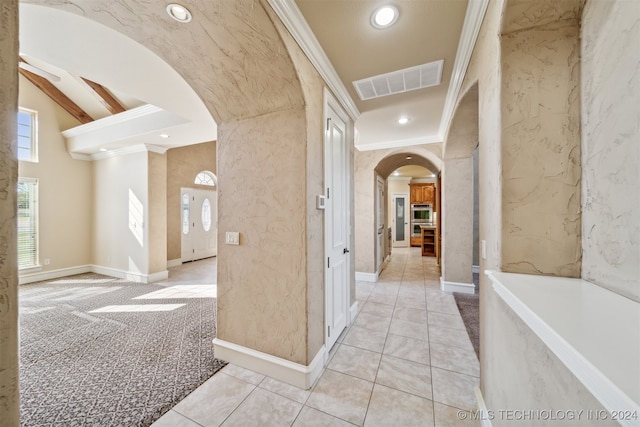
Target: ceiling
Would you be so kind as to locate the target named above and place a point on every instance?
(336, 35)
(413, 171)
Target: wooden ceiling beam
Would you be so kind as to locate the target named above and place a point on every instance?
(105, 97)
(57, 96)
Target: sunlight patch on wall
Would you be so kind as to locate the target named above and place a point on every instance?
(136, 217)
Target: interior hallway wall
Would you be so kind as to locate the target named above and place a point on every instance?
(64, 186)
(183, 164)
(120, 200)
(457, 220)
(610, 145)
(517, 369)
(9, 391)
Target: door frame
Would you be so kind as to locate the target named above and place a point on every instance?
(330, 103)
(380, 221)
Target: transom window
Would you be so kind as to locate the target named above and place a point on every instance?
(206, 178)
(27, 135)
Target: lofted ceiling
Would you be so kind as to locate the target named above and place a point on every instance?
(336, 35)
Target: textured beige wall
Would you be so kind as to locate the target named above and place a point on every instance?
(517, 370)
(9, 397)
(457, 220)
(64, 200)
(540, 144)
(611, 148)
(157, 212)
(262, 194)
(183, 164)
(114, 244)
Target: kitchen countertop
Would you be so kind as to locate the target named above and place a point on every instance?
(428, 225)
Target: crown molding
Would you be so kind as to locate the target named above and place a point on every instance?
(292, 18)
(470, 29)
(432, 139)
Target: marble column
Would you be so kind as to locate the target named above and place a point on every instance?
(457, 220)
(9, 397)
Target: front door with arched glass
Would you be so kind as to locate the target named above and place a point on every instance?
(199, 225)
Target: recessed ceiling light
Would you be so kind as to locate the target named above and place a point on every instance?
(409, 157)
(103, 149)
(164, 135)
(179, 13)
(384, 16)
(403, 120)
(396, 173)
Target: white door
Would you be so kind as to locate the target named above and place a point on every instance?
(336, 222)
(199, 224)
(380, 234)
(401, 233)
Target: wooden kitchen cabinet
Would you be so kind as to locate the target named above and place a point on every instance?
(422, 193)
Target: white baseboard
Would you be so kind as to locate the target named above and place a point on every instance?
(53, 274)
(130, 275)
(353, 312)
(366, 277)
(284, 370)
(463, 288)
(485, 418)
(475, 269)
(174, 262)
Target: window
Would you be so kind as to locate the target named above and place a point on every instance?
(206, 215)
(27, 222)
(206, 178)
(27, 135)
(185, 214)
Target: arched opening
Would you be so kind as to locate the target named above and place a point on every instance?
(404, 211)
(460, 220)
(242, 70)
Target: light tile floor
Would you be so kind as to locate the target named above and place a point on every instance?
(405, 361)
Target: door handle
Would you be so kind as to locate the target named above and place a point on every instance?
(345, 251)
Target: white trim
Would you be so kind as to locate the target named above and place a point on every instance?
(174, 262)
(475, 269)
(429, 139)
(114, 120)
(292, 18)
(353, 312)
(366, 277)
(107, 271)
(463, 288)
(485, 418)
(53, 274)
(545, 303)
(130, 275)
(470, 29)
(80, 156)
(284, 370)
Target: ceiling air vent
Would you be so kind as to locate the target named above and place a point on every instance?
(400, 81)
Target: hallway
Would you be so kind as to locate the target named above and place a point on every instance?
(406, 360)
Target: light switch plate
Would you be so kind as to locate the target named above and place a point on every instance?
(484, 249)
(320, 201)
(232, 238)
